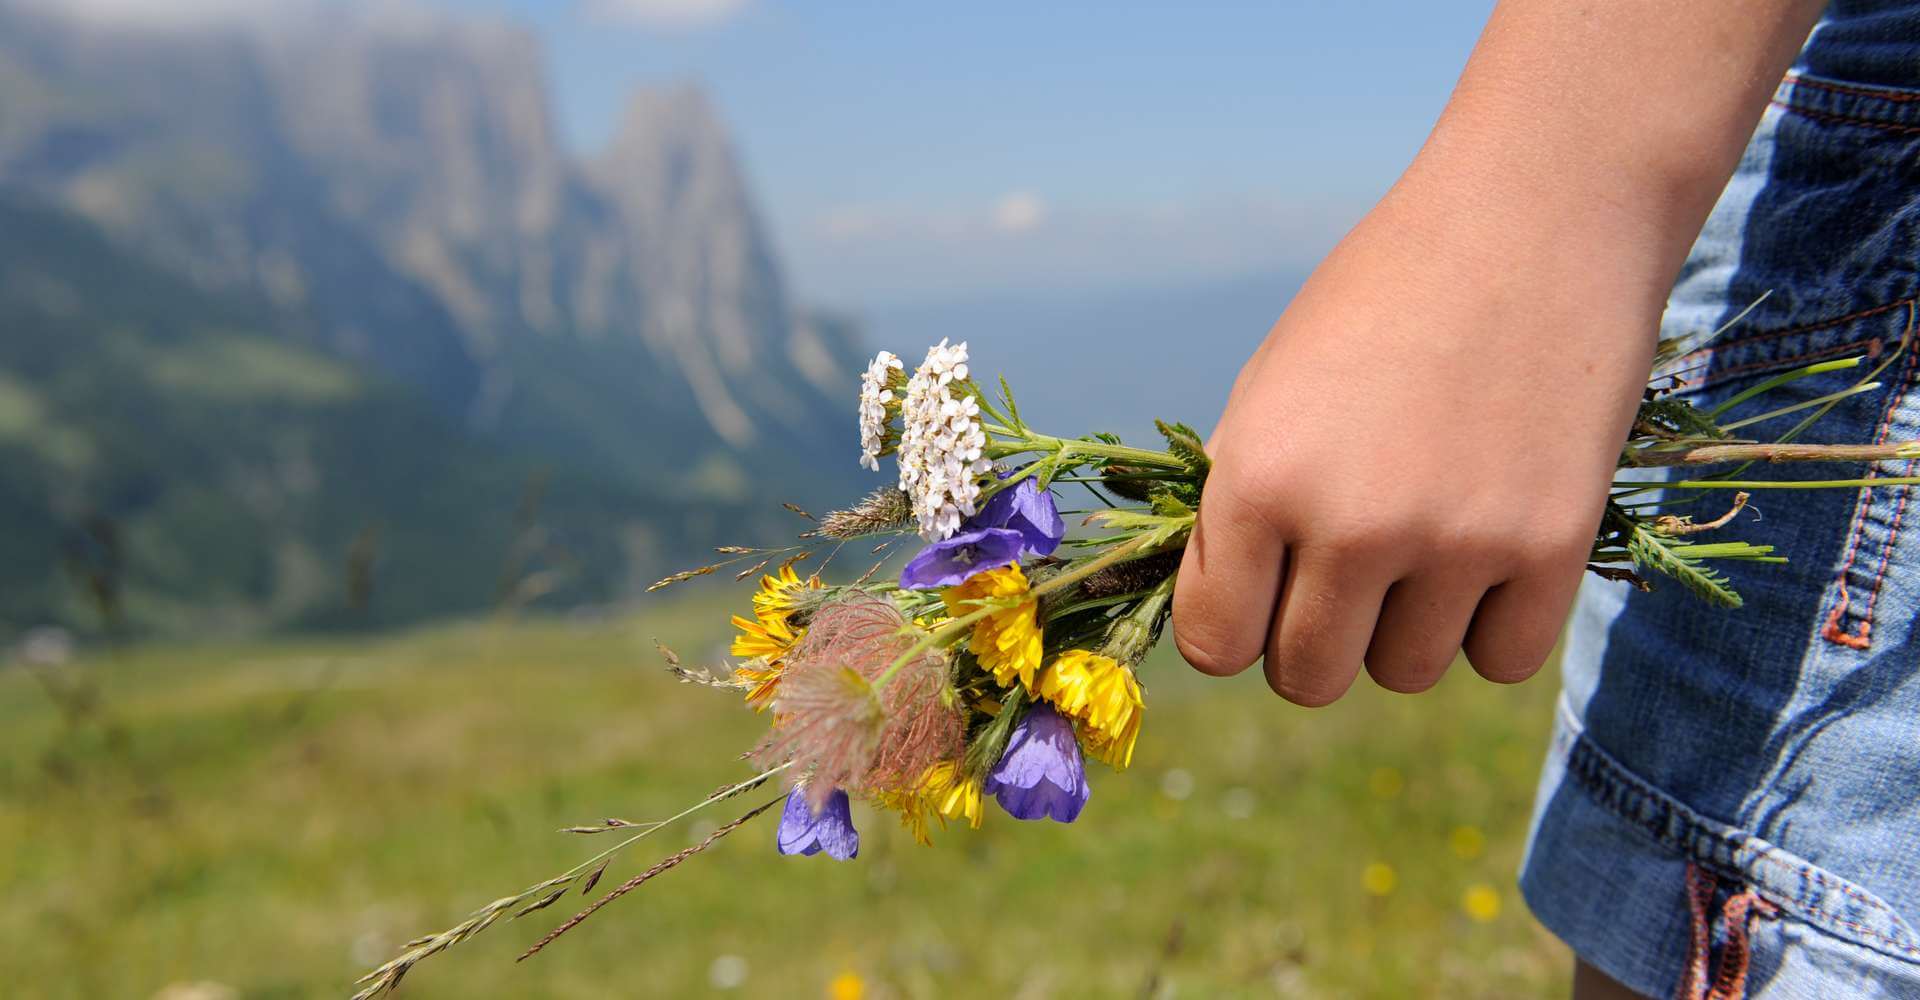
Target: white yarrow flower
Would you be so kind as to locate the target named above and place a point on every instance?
(874, 397)
(942, 445)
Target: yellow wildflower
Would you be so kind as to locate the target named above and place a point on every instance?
(763, 647)
(951, 794)
(1379, 879)
(847, 986)
(1103, 699)
(779, 593)
(1482, 903)
(942, 794)
(1007, 640)
(1467, 842)
(766, 638)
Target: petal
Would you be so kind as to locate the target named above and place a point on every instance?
(835, 830)
(1028, 509)
(1042, 774)
(796, 827)
(952, 562)
(807, 833)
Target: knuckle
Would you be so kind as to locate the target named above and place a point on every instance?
(1407, 675)
(1504, 666)
(1364, 541)
(1304, 695)
(1207, 647)
(1559, 552)
(1305, 681)
(1246, 499)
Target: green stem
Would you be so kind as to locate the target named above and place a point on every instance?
(1006, 441)
(954, 629)
(1131, 549)
(1834, 397)
(1779, 380)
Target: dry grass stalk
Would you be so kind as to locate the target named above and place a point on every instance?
(386, 978)
(641, 879)
(1672, 524)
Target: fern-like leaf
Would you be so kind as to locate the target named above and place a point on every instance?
(1654, 551)
(1184, 444)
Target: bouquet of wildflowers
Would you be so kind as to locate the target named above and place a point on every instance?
(1004, 656)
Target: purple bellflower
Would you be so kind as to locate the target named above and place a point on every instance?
(1042, 773)
(802, 831)
(1017, 522)
(952, 562)
(1028, 509)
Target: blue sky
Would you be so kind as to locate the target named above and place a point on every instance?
(912, 151)
(907, 152)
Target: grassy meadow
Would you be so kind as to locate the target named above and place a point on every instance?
(270, 820)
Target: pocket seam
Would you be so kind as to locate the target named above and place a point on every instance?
(1832, 630)
(1857, 90)
(1713, 378)
(1834, 119)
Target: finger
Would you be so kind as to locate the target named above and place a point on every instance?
(1328, 608)
(1423, 622)
(1229, 581)
(1517, 624)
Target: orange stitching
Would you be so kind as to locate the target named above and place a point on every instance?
(1716, 377)
(1616, 774)
(1701, 886)
(1861, 637)
(1886, 555)
(1897, 96)
(1810, 327)
(1843, 889)
(1822, 116)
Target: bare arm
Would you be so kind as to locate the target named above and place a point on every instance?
(1505, 290)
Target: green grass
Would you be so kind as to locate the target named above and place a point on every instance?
(279, 817)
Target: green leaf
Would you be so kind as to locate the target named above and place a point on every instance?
(1166, 504)
(1185, 444)
(1160, 528)
(1013, 408)
(1654, 551)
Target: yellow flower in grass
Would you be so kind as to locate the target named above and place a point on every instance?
(1007, 640)
(1103, 699)
(943, 794)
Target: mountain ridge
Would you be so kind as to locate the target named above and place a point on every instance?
(392, 196)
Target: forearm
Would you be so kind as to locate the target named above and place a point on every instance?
(1617, 121)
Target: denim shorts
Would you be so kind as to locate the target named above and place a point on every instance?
(1731, 801)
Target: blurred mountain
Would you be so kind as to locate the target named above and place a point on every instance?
(381, 192)
(211, 475)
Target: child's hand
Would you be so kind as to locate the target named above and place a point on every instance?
(1417, 458)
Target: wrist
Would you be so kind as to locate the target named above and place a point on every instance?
(1530, 204)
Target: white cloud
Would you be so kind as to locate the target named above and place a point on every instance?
(891, 251)
(1018, 212)
(665, 13)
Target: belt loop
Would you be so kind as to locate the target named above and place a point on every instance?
(1736, 915)
(1701, 885)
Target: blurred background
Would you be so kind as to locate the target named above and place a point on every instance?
(362, 362)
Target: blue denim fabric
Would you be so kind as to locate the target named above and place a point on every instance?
(1773, 749)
